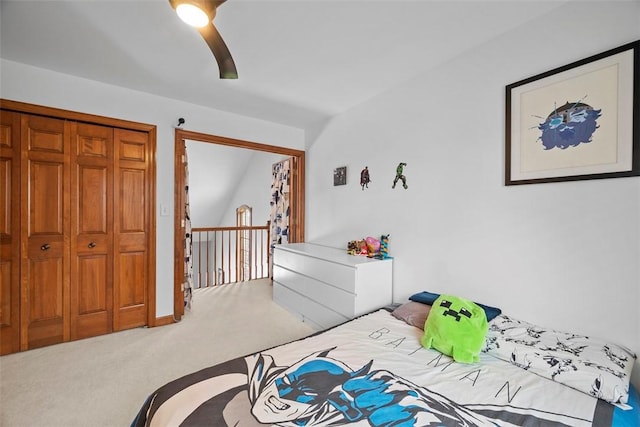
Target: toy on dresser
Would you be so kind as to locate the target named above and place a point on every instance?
(357, 247)
(370, 246)
(384, 247)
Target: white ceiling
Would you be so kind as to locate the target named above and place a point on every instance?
(299, 61)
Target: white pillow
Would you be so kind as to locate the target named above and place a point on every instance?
(591, 365)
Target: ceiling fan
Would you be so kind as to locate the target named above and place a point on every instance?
(200, 14)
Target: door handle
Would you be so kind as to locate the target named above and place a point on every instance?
(45, 247)
(92, 245)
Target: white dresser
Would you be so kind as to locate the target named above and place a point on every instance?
(325, 286)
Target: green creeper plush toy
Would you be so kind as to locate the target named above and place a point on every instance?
(456, 327)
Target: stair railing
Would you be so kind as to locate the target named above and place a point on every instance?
(224, 255)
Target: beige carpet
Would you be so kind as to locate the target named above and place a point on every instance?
(103, 381)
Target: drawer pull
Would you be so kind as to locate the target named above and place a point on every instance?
(92, 245)
(45, 247)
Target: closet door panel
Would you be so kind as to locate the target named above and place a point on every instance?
(45, 285)
(46, 212)
(45, 263)
(92, 187)
(131, 226)
(92, 297)
(45, 135)
(133, 290)
(92, 225)
(6, 294)
(133, 201)
(9, 232)
(91, 302)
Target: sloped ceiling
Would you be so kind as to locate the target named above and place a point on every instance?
(299, 61)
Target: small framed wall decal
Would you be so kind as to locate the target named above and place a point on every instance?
(340, 176)
(577, 122)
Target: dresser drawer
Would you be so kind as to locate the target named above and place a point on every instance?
(329, 296)
(338, 275)
(318, 316)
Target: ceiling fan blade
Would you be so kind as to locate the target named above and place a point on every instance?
(220, 51)
(213, 38)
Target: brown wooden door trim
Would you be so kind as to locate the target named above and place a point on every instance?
(151, 259)
(23, 107)
(297, 214)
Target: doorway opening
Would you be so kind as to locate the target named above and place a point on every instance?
(244, 244)
(297, 215)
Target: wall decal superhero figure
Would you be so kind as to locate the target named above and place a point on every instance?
(400, 176)
(365, 179)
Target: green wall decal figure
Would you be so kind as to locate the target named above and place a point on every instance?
(400, 176)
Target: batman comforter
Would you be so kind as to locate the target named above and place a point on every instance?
(372, 371)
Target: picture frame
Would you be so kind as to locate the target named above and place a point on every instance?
(340, 176)
(576, 122)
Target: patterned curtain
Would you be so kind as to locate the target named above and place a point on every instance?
(280, 210)
(188, 242)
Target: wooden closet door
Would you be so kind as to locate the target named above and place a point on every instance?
(131, 227)
(91, 230)
(9, 232)
(45, 230)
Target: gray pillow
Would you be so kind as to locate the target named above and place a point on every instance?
(414, 313)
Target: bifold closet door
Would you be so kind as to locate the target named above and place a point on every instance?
(9, 232)
(75, 226)
(45, 206)
(131, 227)
(91, 230)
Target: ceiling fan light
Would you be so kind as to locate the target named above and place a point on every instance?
(192, 15)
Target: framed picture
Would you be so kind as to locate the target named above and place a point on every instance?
(577, 122)
(340, 176)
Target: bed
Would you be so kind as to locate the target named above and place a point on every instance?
(373, 371)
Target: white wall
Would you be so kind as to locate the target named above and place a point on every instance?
(214, 173)
(565, 255)
(24, 83)
(254, 189)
